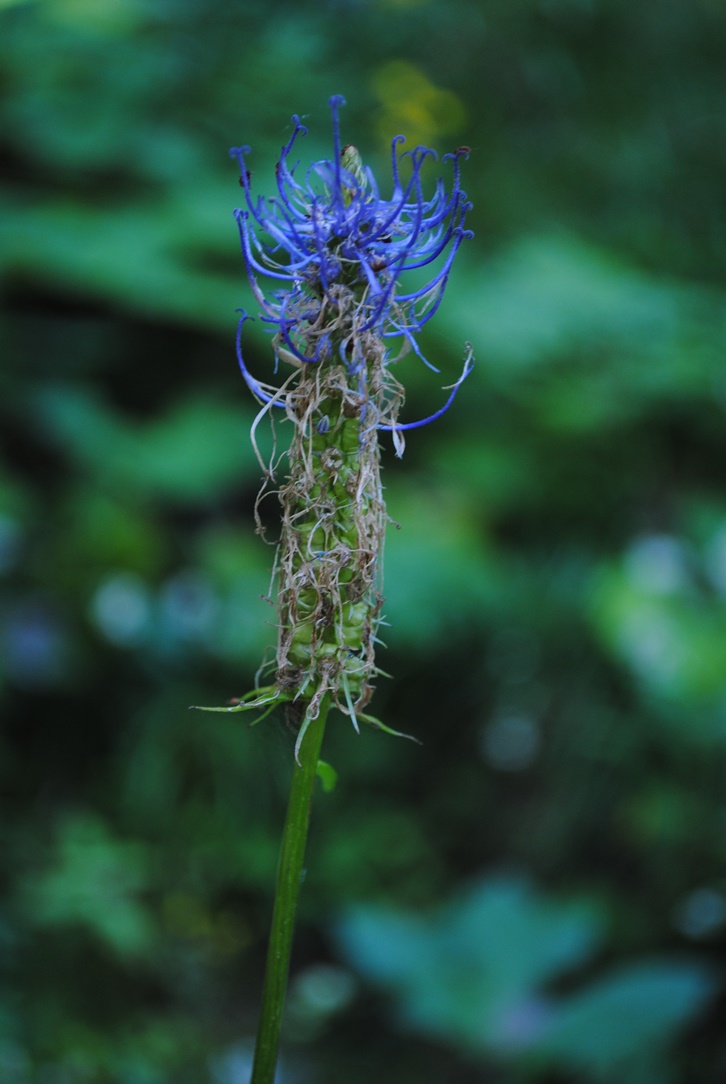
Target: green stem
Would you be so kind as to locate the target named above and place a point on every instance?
(289, 877)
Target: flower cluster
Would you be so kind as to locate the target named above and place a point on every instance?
(338, 252)
(334, 233)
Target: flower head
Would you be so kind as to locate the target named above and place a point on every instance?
(332, 240)
(337, 254)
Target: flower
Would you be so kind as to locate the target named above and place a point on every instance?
(340, 250)
(337, 254)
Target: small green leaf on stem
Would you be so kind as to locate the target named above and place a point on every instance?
(327, 775)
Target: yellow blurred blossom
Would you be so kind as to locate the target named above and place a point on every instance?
(411, 103)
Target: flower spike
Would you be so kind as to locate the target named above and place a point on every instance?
(335, 254)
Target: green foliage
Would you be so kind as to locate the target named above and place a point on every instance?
(458, 972)
(475, 973)
(327, 776)
(627, 1017)
(169, 459)
(94, 881)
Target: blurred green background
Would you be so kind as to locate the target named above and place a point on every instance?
(537, 893)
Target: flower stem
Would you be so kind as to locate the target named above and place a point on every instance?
(289, 878)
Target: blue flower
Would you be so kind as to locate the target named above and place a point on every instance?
(340, 251)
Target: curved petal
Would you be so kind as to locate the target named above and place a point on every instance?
(468, 366)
